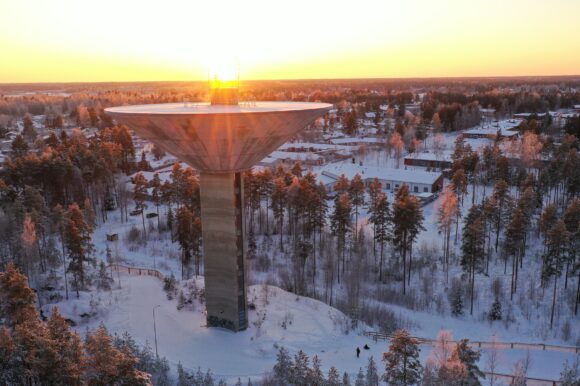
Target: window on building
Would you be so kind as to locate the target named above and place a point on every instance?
(426, 189)
(415, 189)
(389, 186)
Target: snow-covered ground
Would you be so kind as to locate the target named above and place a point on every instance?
(290, 321)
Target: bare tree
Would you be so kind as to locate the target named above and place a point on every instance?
(494, 357)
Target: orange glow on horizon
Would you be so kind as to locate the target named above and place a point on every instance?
(70, 41)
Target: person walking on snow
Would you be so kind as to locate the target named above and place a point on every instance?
(357, 352)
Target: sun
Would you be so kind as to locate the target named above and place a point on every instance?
(223, 72)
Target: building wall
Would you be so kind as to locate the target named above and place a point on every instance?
(440, 164)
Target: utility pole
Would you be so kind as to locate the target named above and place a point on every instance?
(155, 331)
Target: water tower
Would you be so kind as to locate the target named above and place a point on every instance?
(221, 139)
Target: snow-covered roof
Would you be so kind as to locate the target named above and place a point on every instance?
(370, 172)
(268, 161)
(283, 155)
(342, 141)
(506, 127)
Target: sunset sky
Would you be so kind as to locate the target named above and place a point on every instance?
(121, 40)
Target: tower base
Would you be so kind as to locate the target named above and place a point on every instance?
(224, 249)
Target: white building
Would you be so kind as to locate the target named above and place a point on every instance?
(418, 181)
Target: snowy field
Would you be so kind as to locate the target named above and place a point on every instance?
(310, 325)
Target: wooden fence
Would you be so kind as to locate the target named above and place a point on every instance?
(136, 271)
(376, 336)
(507, 379)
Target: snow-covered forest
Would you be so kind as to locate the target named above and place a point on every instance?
(489, 257)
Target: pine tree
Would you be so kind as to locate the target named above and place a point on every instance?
(79, 245)
(300, 368)
(35, 353)
(459, 183)
(17, 300)
(403, 367)
(380, 217)
(108, 365)
(502, 199)
(104, 280)
(345, 379)
(198, 378)
(468, 358)
(9, 367)
(372, 376)
(143, 163)
(514, 242)
(360, 378)
(157, 152)
(30, 241)
(333, 377)
(340, 224)
(572, 221)
(407, 223)
(341, 185)
(156, 195)
(28, 131)
(473, 248)
(278, 199)
(547, 219)
(554, 258)
(170, 221)
(350, 123)
(196, 243)
(19, 147)
(182, 376)
(69, 348)
(315, 375)
(375, 187)
(319, 212)
(140, 185)
(495, 312)
(357, 198)
(297, 169)
(283, 366)
(89, 213)
(446, 215)
(396, 143)
(184, 233)
(456, 298)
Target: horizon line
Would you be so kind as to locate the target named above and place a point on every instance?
(303, 79)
